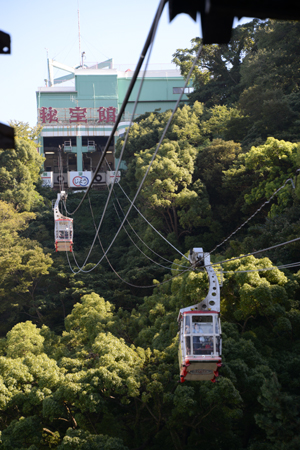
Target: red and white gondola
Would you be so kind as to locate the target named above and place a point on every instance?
(200, 339)
(63, 227)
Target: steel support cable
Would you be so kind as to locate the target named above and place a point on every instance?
(142, 287)
(167, 260)
(123, 147)
(288, 266)
(147, 44)
(60, 171)
(256, 252)
(92, 213)
(149, 166)
(254, 214)
(144, 243)
(284, 266)
(74, 257)
(153, 228)
(119, 276)
(146, 256)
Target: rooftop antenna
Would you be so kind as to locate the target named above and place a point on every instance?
(79, 34)
(82, 56)
(48, 80)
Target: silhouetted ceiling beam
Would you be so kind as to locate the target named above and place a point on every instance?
(217, 15)
(4, 43)
(7, 137)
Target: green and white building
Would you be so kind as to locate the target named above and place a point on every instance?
(78, 119)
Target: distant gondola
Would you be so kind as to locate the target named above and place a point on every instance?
(63, 228)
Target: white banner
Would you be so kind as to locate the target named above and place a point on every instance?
(47, 179)
(79, 179)
(111, 175)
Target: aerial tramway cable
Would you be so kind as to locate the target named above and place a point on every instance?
(141, 251)
(122, 151)
(257, 251)
(149, 223)
(254, 214)
(119, 276)
(147, 44)
(178, 265)
(246, 221)
(153, 228)
(264, 269)
(147, 171)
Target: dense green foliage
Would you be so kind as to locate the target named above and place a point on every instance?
(89, 360)
(257, 73)
(20, 170)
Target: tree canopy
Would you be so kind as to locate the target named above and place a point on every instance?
(90, 360)
(20, 170)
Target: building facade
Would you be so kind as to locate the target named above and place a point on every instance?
(78, 119)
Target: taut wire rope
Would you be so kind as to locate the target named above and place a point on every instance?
(256, 252)
(147, 44)
(148, 169)
(123, 147)
(254, 214)
(149, 223)
(284, 266)
(119, 276)
(144, 254)
(144, 243)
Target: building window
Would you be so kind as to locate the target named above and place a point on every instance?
(179, 90)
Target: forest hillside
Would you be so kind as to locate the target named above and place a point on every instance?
(89, 356)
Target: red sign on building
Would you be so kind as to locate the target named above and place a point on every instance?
(77, 114)
(107, 114)
(48, 115)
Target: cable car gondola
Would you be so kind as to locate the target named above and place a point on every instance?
(200, 341)
(63, 229)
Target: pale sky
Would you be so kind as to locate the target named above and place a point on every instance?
(113, 29)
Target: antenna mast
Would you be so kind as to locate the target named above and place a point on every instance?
(79, 35)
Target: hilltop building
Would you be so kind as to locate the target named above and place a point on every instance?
(78, 119)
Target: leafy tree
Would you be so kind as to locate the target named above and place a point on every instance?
(166, 188)
(275, 53)
(24, 131)
(257, 73)
(108, 368)
(22, 266)
(78, 439)
(217, 121)
(269, 102)
(276, 229)
(280, 418)
(179, 203)
(20, 171)
(261, 171)
(24, 338)
(213, 160)
(217, 75)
